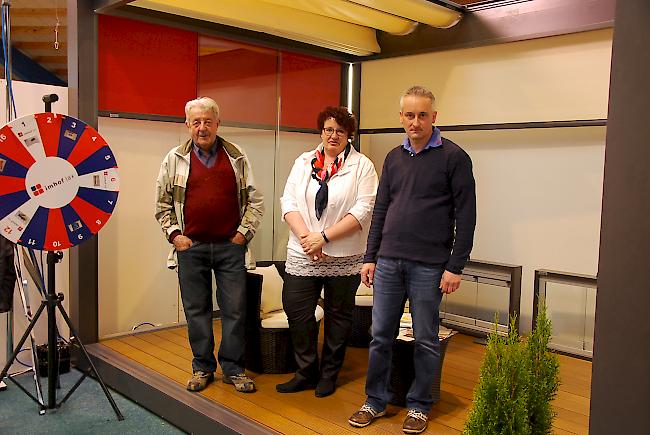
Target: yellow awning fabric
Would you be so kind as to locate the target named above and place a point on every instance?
(352, 13)
(347, 26)
(421, 11)
(275, 20)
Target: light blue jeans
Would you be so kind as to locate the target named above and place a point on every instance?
(394, 280)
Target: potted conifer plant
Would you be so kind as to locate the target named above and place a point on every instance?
(519, 379)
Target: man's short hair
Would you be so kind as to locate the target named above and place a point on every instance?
(417, 91)
(203, 103)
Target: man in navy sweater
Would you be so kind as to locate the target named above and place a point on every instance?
(420, 238)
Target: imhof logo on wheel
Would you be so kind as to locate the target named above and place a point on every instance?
(53, 182)
(38, 190)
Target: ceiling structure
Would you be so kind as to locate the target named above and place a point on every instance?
(36, 26)
(349, 27)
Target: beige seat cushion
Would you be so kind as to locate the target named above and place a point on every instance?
(278, 319)
(362, 290)
(271, 289)
(363, 300)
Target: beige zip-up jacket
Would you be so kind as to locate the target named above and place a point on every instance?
(170, 194)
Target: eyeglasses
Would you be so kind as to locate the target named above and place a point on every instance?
(330, 131)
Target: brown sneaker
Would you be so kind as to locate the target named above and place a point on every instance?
(415, 422)
(199, 380)
(242, 383)
(364, 416)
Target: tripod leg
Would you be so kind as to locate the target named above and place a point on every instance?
(37, 378)
(92, 366)
(24, 296)
(22, 340)
(52, 360)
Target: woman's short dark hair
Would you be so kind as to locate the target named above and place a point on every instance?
(342, 117)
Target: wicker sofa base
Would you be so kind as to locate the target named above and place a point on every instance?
(362, 320)
(276, 351)
(403, 372)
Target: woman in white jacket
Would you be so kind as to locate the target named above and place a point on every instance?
(327, 202)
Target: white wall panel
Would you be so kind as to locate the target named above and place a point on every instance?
(259, 146)
(134, 284)
(538, 190)
(538, 197)
(290, 146)
(556, 78)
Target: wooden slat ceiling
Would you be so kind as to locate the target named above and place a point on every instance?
(33, 24)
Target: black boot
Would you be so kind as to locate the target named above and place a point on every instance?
(294, 385)
(325, 387)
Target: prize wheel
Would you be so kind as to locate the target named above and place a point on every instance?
(58, 181)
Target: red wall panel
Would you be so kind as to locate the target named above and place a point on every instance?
(308, 85)
(145, 68)
(244, 84)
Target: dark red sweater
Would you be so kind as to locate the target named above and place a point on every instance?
(211, 207)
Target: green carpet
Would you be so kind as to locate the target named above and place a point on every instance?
(87, 411)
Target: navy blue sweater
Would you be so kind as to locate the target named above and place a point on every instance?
(422, 198)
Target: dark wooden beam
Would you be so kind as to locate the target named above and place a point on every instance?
(38, 45)
(620, 374)
(82, 104)
(38, 30)
(35, 12)
(51, 59)
(104, 6)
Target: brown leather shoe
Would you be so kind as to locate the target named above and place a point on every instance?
(415, 422)
(199, 380)
(364, 416)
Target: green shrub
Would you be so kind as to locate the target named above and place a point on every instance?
(517, 383)
(543, 377)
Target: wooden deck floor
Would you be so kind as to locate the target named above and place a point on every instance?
(167, 352)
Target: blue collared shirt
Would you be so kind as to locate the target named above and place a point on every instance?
(434, 141)
(207, 158)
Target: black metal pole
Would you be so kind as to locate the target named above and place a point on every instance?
(53, 257)
(48, 99)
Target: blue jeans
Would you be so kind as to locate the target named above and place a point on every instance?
(394, 280)
(195, 268)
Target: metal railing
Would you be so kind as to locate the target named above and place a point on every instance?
(571, 306)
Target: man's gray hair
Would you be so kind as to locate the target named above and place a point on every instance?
(417, 91)
(203, 103)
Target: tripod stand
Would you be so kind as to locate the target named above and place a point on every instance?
(51, 302)
(24, 296)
